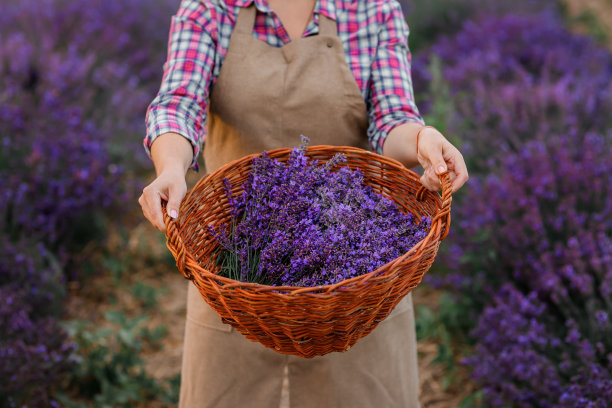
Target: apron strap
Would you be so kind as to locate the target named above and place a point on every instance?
(327, 26)
(246, 19)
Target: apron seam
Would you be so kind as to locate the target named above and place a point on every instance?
(227, 329)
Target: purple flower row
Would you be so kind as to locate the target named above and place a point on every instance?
(75, 80)
(34, 350)
(531, 248)
(516, 79)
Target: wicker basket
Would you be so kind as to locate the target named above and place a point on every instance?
(308, 321)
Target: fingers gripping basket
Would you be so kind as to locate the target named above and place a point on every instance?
(308, 321)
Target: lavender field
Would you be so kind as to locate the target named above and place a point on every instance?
(523, 282)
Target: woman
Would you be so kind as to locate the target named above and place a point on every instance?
(262, 73)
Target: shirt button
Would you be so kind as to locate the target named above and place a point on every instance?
(330, 44)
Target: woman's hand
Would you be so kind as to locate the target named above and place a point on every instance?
(172, 154)
(435, 154)
(170, 186)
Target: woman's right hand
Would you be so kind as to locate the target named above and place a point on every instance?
(172, 154)
(170, 186)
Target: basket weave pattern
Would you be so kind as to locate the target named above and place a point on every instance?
(308, 321)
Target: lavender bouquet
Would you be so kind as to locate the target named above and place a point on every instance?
(302, 223)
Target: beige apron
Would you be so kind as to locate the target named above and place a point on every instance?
(264, 98)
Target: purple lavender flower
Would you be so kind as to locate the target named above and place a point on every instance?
(75, 80)
(430, 19)
(518, 78)
(300, 223)
(34, 349)
(530, 254)
(520, 360)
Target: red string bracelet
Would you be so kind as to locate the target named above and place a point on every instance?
(419, 134)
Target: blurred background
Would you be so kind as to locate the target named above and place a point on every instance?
(516, 311)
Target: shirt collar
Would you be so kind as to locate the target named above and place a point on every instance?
(261, 5)
(325, 7)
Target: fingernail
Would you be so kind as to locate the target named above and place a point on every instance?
(441, 169)
(173, 214)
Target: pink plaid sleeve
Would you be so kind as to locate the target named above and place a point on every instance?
(181, 103)
(391, 100)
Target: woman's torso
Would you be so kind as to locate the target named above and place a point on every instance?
(358, 22)
(373, 36)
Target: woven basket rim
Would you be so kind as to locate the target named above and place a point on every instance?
(335, 289)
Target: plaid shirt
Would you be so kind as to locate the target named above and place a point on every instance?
(375, 38)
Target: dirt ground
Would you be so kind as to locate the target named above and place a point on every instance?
(601, 9)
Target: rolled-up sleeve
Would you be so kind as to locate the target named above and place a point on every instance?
(181, 103)
(391, 101)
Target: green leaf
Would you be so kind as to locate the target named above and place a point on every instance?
(115, 316)
(426, 323)
(473, 400)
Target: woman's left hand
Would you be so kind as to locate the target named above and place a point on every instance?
(436, 154)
